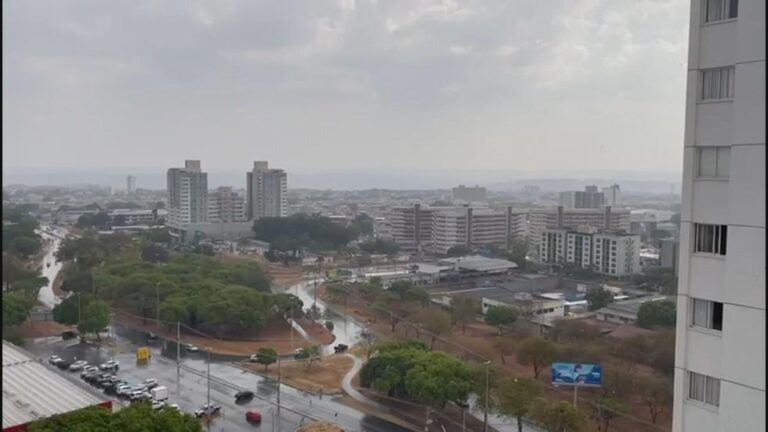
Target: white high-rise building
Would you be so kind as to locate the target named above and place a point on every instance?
(605, 252)
(612, 195)
(187, 195)
(130, 184)
(720, 353)
(225, 205)
(267, 192)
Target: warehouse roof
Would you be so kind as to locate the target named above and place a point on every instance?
(479, 263)
(31, 390)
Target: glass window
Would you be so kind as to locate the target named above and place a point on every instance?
(707, 314)
(711, 239)
(704, 389)
(723, 162)
(719, 10)
(717, 83)
(707, 162)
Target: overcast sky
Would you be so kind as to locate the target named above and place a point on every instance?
(323, 85)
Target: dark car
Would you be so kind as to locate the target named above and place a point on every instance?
(243, 396)
(69, 334)
(104, 382)
(63, 365)
(340, 348)
(98, 378)
(301, 355)
(90, 376)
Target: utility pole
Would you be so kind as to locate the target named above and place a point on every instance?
(157, 302)
(278, 384)
(178, 351)
(93, 283)
(79, 307)
(487, 394)
(208, 423)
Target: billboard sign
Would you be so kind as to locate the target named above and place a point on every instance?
(577, 374)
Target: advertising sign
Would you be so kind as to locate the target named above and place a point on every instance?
(577, 374)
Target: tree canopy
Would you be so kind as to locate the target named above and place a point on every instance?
(501, 316)
(537, 352)
(136, 417)
(458, 250)
(380, 246)
(515, 397)
(302, 231)
(660, 313)
(598, 298)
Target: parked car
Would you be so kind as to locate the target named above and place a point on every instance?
(63, 365)
(243, 395)
(54, 360)
(78, 365)
(174, 406)
(150, 335)
(253, 358)
(208, 410)
(88, 369)
(111, 388)
(340, 348)
(125, 390)
(139, 395)
(149, 383)
(69, 334)
(158, 405)
(110, 365)
(253, 416)
(106, 381)
(91, 376)
(191, 348)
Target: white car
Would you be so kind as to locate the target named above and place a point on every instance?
(174, 406)
(149, 383)
(191, 348)
(110, 365)
(88, 369)
(139, 394)
(78, 365)
(54, 360)
(158, 405)
(208, 410)
(123, 389)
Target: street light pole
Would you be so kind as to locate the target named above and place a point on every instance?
(278, 383)
(157, 302)
(178, 351)
(487, 394)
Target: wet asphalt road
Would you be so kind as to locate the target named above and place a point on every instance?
(191, 389)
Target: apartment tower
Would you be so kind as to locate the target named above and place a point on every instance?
(720, 352)
(187, 195)
(267, 192)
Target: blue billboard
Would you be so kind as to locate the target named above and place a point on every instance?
(580, 374)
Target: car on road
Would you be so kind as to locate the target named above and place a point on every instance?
(191, 348)
(253, 416)
(125, 390)
(88, 369)
(174, 406)
(110, 365)
(149, 383)
(111, 388)
(54, 360)
(340, 348)
(69, 334)
(253, 358)
(92, 376)
(139, 395)
(208, 410)
(107, 381)
(243, 396)
(78, 365)
(63, 365)
(158, 405)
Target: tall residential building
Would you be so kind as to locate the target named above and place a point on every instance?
(266, 192)
(225, 205)
(130, 184)
(588, 198)
(464, 194)
(612, 195)
(560, 217)
(437, 229)
(605, 252)
(720, 352)
(187, 195)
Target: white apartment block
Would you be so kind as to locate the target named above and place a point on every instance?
(612, 195)
(437, 229)
(187, 195)
(464, 194)
(610, 253)
(267, 192)
(225, 205)
(720, 344)
(130, 184)
(561, 217)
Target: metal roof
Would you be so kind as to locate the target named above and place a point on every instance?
(32, 390)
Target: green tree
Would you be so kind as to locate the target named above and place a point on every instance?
(400, 288)
(25, 247)
(515, 397)
(266, 356)
(66, 312)
(660, 313)
(437, 378)
(437, 322)
(458, 251)
(605, 409)
(518, 254)
(558, 416)
(16, 308)
(464, 310)
(598, 298)
(537, 352)
(154, 253)
(417, 294)
(138, 417)
(618, 380)
(95, 317)
(501, 316)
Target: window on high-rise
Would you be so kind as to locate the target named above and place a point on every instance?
(717, 83)
(707, 314)
(720, 10)
(710, 239)
(703, 388)
(713, 162)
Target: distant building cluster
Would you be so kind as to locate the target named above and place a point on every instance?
(223, 213)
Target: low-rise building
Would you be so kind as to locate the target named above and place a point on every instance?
(611, 253)
(625, 311)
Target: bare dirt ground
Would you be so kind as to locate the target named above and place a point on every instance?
(39, 329)
(277, 337)
(320, 427)
(326, 373)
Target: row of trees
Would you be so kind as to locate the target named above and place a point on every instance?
(301, 231)
(136, 417)
(19, 236)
